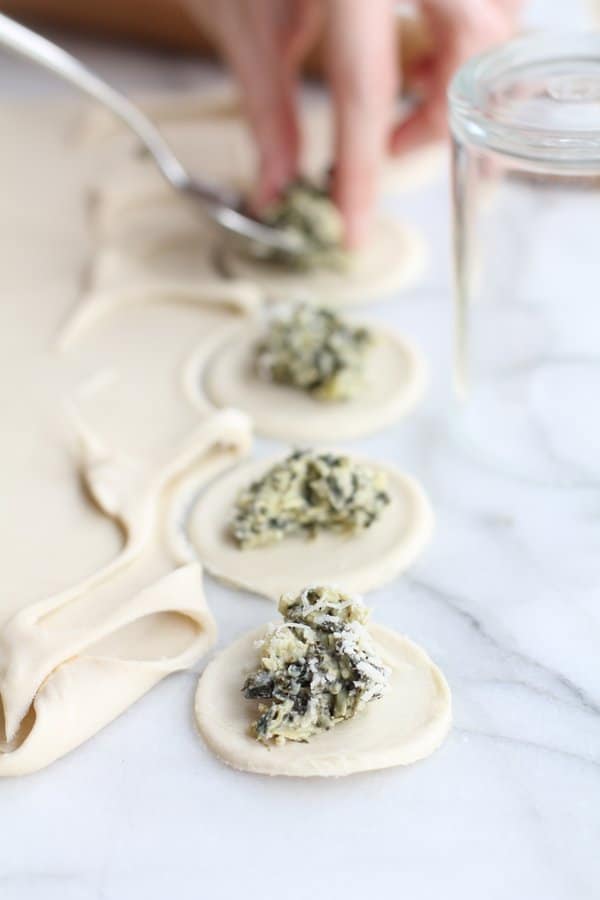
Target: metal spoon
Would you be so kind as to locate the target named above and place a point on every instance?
(222, 205)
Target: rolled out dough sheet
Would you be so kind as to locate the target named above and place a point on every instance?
(99, 598)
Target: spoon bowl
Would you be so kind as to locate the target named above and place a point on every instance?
(220, 204)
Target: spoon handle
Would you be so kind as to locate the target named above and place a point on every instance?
(221, 205)
(37, 49)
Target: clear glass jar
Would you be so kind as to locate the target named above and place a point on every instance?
(525, 120)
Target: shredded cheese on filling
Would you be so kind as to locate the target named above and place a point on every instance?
(317, 668)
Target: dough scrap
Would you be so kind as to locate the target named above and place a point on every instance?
(356, 564)
(95, 609)
(238, 297)
(145, 237)
(407, 724)
(395, 379)
(91, 677)
(123, 628)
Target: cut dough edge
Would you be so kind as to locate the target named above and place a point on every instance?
(214, 102)
(45, 710)
(283, 411)
(329, 288)
(365, 743)
(61, 715)
(239, 298)
(214, 551)
(60, 681)
(391, 263)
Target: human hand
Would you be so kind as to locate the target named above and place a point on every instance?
(264, 42)
(458, 29)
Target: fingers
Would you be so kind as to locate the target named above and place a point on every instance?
(247, 31)
(300, 30)
(362, 74)
(285, 30)
(428, 120)
(459, 31)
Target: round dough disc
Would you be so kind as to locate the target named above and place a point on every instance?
(356, 563)
(395, 378)
(407, 724)
(393, 260)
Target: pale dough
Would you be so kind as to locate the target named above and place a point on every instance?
(93, 609)
(99, 596)
(409, 722)
(219, 101)
(146, 235)
(356, 564)
(392, 261)
(395, 378)
(217, 111)
(110, 638)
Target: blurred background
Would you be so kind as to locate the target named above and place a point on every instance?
(135, 42)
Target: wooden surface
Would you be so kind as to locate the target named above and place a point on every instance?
(167, 24)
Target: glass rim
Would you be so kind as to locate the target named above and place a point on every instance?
(471, 123)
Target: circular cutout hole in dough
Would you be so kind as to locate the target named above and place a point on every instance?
(407, 724)
(395, 379)
(356, 563)
(392, 261)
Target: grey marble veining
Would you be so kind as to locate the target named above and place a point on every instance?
(506, 599)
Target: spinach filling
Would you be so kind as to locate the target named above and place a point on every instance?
(306, 493)
(314, 350)
(317, 668)
(307, 211)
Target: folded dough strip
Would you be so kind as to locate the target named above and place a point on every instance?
(33, 647)
(236, 296)
(65, 721)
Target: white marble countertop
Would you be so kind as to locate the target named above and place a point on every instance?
(509, 807)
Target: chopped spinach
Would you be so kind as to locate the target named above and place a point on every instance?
(308, 212)
(316, 351)
(309, 492)
(317, 668)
